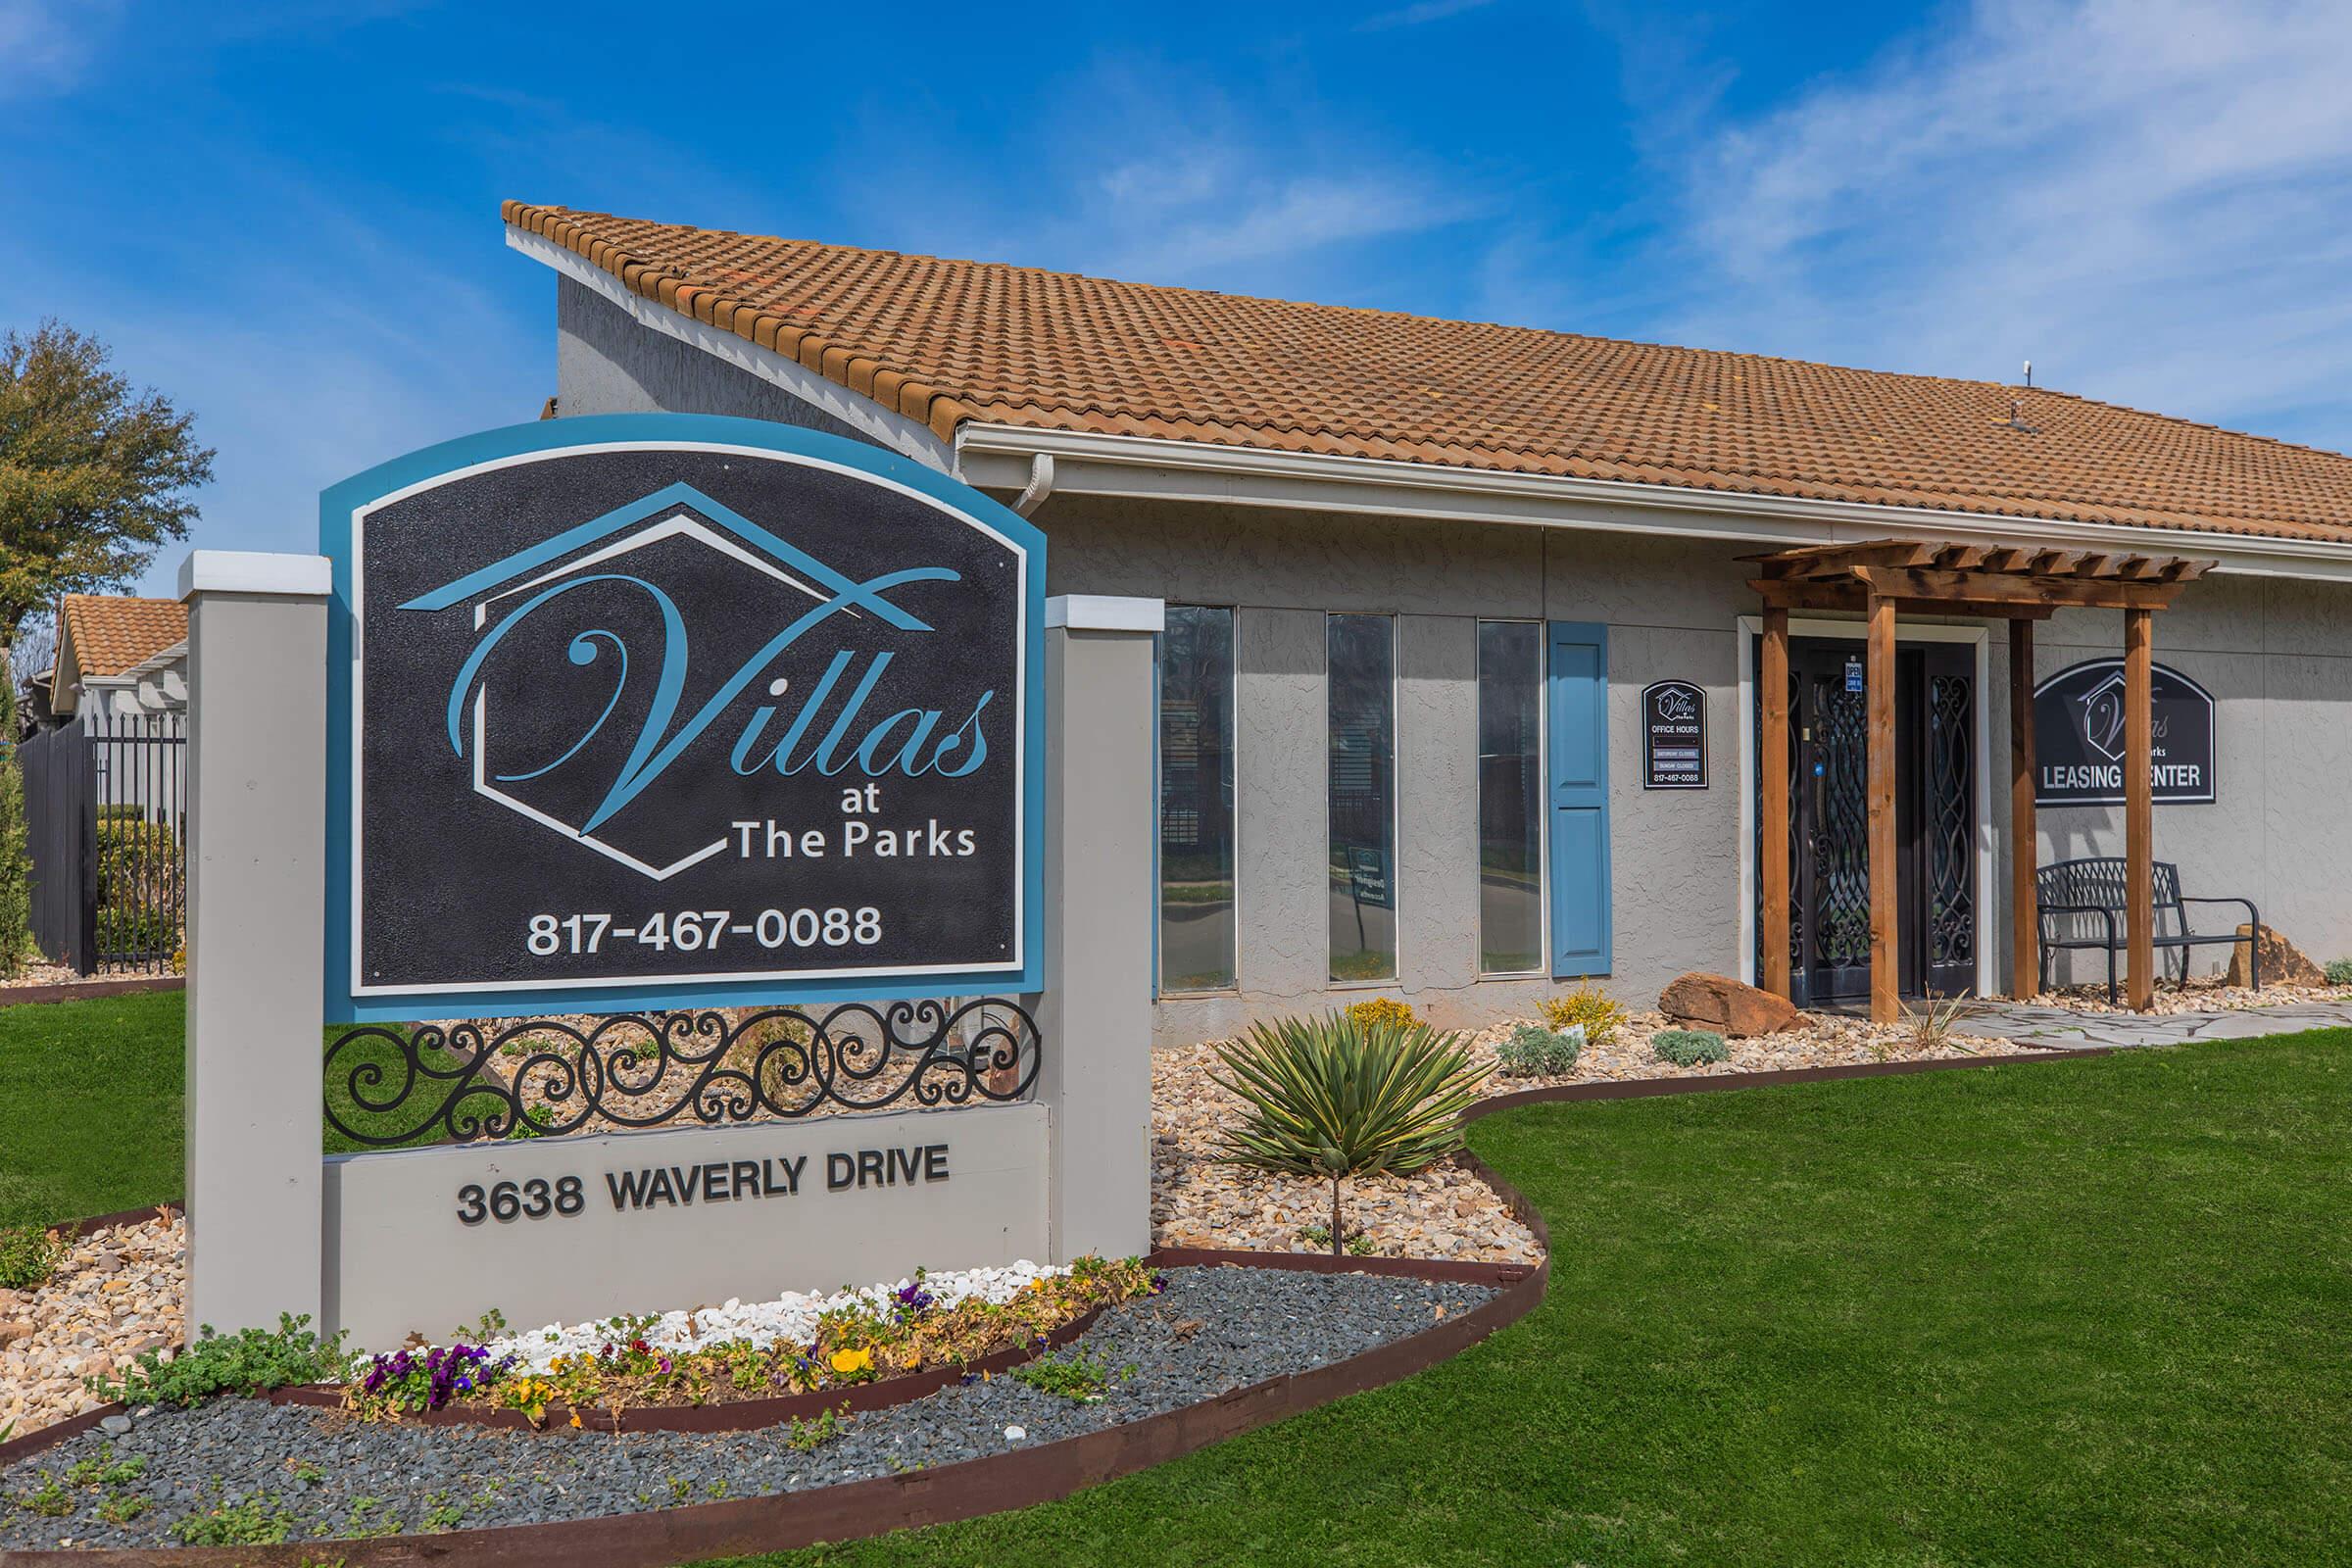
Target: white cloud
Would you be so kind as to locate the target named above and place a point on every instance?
(2146, 197)
(1237, 217)
(1413, 16)
(45, 45)
(1153, 173)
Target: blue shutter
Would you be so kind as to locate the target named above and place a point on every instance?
(1578, 693)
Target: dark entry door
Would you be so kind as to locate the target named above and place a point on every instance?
(1935, 822)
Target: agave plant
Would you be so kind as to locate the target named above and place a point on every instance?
(1331, 1097)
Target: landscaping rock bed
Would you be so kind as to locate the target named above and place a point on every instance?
(40, 973)
(1444, 1212)
(2207, 994)
(249, 1469)
(116, 1292)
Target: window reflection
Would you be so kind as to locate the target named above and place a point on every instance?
(1361, 677)
(1196, 800)
(1510, 857)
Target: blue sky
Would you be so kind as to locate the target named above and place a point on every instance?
(284, 212)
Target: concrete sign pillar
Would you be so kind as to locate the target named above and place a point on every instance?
(1095, 1012)
(257, 880)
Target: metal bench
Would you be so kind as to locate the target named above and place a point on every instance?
(2082, 906)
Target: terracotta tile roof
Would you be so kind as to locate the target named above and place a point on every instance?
(109, 634)
(947, 341)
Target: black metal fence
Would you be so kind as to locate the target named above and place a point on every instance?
(106, 807)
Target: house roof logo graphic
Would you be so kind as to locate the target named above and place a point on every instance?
(601, 548)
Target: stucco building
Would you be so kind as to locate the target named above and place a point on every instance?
(1458, 694)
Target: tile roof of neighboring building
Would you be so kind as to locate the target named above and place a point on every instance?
(109, 634)
(943, 342)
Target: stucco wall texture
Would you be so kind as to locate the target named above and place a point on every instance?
(2276, 652)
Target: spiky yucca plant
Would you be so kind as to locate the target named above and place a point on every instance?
(1331, 1097)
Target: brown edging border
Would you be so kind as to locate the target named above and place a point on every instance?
(89, 990)
(77, 1229)
(856, 1509)
(860, 1509)
(1706, 1083)
(742, 1415)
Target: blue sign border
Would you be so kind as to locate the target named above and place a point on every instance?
(339, 502)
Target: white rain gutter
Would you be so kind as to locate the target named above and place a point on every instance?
(1002, 456)
(1041, 485)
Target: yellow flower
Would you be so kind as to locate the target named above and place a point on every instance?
(852, 1360)
(575, 1418)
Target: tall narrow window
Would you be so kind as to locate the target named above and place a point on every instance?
(1196, 800)
(1361, 717)
(1510, 857)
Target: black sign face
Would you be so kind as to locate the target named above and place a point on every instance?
(2078, 721)
(659, 711)
(1674, 736)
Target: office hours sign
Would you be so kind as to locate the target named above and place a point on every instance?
(661, 711)
(2079, 737)
(1674, 736)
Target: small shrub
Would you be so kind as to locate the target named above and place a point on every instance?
(1589, 1005)
(1690, 1048)
(16, 864)
(1936, 1027)
(139, 869)
(2339, 971)
(1382, 1013)
(257, 1520)
(1079, 1377)
(52, 1502)
(1328, 1099)
(251, 1362)
(29, 1255)
(1534, 1052)
(1358, 1243)
(806, 1435)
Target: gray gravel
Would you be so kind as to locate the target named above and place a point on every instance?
(1213, 1330)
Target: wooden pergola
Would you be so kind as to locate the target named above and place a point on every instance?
(1888, 576)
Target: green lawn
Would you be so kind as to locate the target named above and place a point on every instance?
(2066, 1313)
(2072, 1312)
(90, 1106)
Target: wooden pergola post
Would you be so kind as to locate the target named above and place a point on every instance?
(1879, 683)
(2025, 840)
(1773, 795)
(2140, 803)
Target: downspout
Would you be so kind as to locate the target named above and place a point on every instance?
(1039, 486)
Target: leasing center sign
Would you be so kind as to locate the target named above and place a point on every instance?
(2079, 737)
(653, 711)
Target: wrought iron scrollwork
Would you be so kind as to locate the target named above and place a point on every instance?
(1951, 825)
(546, 1077)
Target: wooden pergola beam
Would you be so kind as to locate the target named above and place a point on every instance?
(1807, 593)
(1878, 552)
(1959, 591)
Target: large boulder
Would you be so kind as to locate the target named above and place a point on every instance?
(2282, 965)
(1726, 1005)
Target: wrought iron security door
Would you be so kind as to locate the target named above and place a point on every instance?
(1935, 822)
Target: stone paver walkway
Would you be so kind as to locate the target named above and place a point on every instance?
(2062, 1028)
